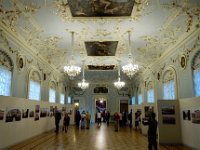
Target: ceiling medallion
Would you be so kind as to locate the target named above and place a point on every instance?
(83, 85)
(130, 69)
(119, 84)
(72, 70)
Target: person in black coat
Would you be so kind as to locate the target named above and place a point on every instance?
(66, 121)
(57, 119)
(152, 136)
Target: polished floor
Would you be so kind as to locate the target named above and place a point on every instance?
(103, 138)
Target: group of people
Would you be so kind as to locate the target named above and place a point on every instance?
(82, 119)
(105, 117)
(58, 117)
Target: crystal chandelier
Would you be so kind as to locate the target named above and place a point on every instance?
(72, 70)
(130, 69)
(119, 84)
(83, 85)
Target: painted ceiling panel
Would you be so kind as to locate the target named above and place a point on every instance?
(45, 25)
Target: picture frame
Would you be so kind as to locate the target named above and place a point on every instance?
(21, 62)
(183, 61)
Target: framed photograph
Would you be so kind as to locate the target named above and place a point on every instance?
(13, 115)
(2, 114)
(186, 115)
(168, 114)
(196, 116)
(183, 61)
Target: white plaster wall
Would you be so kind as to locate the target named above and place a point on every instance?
(18, 131)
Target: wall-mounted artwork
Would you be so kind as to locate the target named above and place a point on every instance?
(21, 62)
(186, 115)
(95, 48)
(101, 90)
(183, 61)
(25, 113)
(51, 113)
(196, 116)
(168, 114)
(31, 113)
(101, 8)
(44, 112)
(37, 108)
(2, 114)
(13, 115)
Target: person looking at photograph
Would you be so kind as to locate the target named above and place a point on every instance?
(152, 136)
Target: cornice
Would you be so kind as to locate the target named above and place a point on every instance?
(26, 48)
(184, 39)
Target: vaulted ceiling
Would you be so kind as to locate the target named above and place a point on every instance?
(100, 29)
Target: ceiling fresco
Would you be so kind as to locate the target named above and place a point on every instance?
(100, 31)
(107, 48)
(101, 8)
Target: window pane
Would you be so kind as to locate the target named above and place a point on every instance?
(62, 98)
(5, 82)
(69, 100)
(150, 96)
(140, 99)
(34, 90)
(169, 90)
(133, 100)
(52, 95)
(197, 82)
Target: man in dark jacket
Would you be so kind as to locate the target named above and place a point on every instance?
(57, 119)
(152, 123)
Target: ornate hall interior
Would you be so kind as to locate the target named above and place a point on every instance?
(123, 56)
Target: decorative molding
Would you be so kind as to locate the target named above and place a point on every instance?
(5, 60)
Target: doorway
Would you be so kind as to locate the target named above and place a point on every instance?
(101, 106)
(123, 106)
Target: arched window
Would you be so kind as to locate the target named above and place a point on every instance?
(52, 92)
(169, 87)
(5, 74)
(62, 98)
(133, 100)
(34, 85)
(150, 93)
(139, 97)
(196, 73)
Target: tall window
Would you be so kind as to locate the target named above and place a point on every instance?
(62, 98)
(139, 99)
(5, 74)
(150, 93)
(34, 90)
(52, 92)
(169, 85)
(197, 81)
(5, 81)
(133, 100)
(196, 73)
(34, 86)
(69, 100)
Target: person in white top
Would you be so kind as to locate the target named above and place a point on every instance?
(98, 118)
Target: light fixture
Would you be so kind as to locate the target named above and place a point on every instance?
(119, 84)
(83, 85)
(131, 68)
(72, 70)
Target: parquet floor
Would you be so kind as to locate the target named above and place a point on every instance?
(103, 138)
